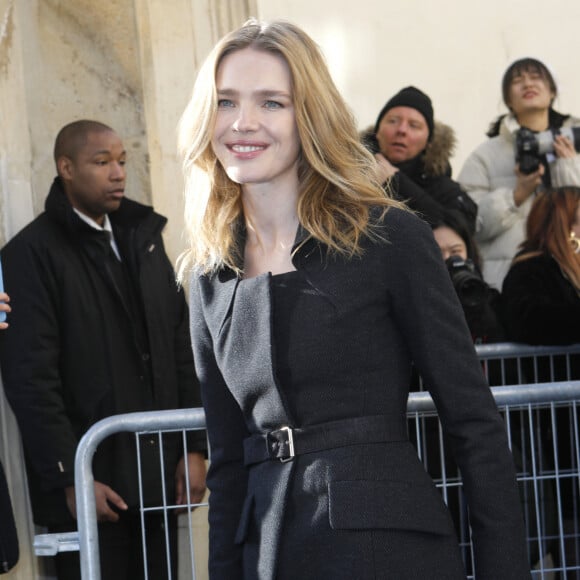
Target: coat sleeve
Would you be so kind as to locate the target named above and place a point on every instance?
(565, 171)
(29, 353)
(429, 315)
(496, 211)
(431, 202)
(417, 198)
(227, 477)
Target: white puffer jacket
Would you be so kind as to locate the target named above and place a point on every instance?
(488, 176)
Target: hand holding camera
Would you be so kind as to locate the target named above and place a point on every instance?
(527, 183)
(531, 146)
(564, 147)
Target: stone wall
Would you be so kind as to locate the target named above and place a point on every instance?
(127, 63)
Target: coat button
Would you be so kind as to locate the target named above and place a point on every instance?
(145, 356)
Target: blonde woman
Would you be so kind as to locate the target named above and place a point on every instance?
(311, 295)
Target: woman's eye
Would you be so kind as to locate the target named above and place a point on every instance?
(273, 105)
(224, 103)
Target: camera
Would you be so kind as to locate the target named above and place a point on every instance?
(530, 146)
(469, 286)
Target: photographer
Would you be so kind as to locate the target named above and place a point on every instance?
(480, 302)
(494, 178)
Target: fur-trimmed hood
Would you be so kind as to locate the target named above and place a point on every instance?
(436, 159)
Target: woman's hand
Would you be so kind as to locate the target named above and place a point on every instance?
(563, 147)
(526, 184)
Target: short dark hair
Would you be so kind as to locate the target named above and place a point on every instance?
(74, 136)
(529, 65)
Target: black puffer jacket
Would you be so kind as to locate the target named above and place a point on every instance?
(425, 182)
(73, 355)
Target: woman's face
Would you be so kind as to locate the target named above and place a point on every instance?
(450, 242)
(403, 133)
(529, 91)
(255, 137)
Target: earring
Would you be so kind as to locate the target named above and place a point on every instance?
(575, 243)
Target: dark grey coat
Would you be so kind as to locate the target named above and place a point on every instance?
(364, 511)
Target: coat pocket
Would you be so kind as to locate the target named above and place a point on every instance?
(245, 519)
(387, 504)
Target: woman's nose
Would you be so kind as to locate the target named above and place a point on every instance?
(246, 120)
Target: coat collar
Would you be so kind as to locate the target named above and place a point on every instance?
(130, 214)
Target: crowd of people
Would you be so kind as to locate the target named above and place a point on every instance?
(502, 210)
(313, 250)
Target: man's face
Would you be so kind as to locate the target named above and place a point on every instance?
(94, 180)
(403, 133)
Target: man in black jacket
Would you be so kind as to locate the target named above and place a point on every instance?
(99, 327)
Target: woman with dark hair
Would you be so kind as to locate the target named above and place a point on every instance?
(541, 299)
(542, 289)
(481, 303)
(492, 177)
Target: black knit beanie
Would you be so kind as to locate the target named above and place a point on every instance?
(413, 98)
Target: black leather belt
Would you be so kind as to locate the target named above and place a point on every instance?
(287, 442)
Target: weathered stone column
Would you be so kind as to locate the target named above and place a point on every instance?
(174, 38)
(15, 211)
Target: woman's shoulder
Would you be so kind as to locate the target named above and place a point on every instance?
(399, 228)
(396, 219)
(538, 265)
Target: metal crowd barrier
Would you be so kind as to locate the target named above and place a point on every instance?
(541, 421)
(542, 424)
(516, 364)
(154, 423)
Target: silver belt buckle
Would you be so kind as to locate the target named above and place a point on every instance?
(290, 444)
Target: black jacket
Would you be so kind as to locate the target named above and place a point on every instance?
(540, 305)
(9, 550)
(73, 353)
(425, 183)
(364, 510)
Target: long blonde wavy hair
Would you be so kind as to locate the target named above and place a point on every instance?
(337, 175)
(548, 228)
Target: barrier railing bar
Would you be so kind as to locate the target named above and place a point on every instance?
(84, 480)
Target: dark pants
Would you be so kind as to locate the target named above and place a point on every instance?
(121, 554)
